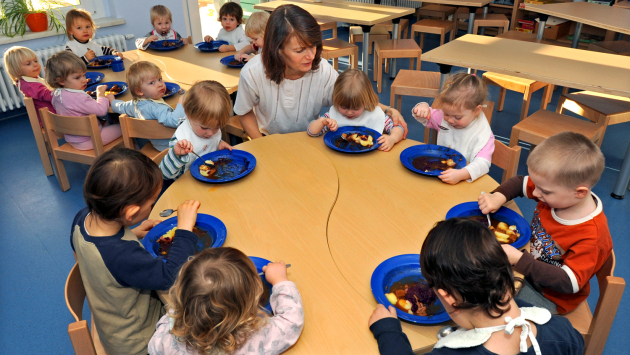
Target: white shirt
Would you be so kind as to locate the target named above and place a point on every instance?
(236, 37)
(80, 49)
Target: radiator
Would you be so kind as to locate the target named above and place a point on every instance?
(11, 97)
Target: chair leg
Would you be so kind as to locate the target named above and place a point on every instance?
(565, 90)
(355, 59)
(442, 38)
(527, 98)
(514, 137)
(392, 98)
(387, 65)
(336, 63)
(543, 101)
(560, 107)
(603, 120)
(501, 99)
(379, 78)
(453, 32)
(42, 147)
(399, 106)
(551, 89)
(334, 31)
(375, 61)
(421, 40)
(370, 47)
(475, 28)
(62, 176)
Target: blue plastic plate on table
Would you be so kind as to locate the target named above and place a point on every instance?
(431, 150)
(95, 77)
(240, 163)
(504, 214)
(159, 45)
(109, 84)
(228, 59)
(103, 57)
(404, 267)
(212, 46)
(259, 263)
(334, 141)
(215, 228)
(171, 89)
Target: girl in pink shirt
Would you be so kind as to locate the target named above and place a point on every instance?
(459, 109)
(215, 308)
(66, 73)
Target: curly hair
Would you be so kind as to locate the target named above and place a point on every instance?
(462, 90)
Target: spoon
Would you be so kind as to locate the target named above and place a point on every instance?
(488, 215)
(443, 128)
(262, 272)
(203, 162)
(445, 330)
(167, 212)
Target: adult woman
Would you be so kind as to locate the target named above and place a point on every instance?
(287, 88)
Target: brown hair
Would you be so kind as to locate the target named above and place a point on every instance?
(570, 159)
(215, 301)
(14, 57)
(286, 22)
(207, 103)
(232, 9)
(256, 23)
(74, 15)
(160, 11)
(139, 71)
(462, 90)
(119, 178)
(62, 64)
(353, 90)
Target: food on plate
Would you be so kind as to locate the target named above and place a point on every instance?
(170, 44)
(207, 170)
(115, 89)
(427, 163)
(414, 298)
(361, 141)
(505, 234)
(235, 62)
(99, 62)
(165, 242)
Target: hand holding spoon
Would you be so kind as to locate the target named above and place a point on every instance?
(262, 272)
(167, 212)
(488, 215)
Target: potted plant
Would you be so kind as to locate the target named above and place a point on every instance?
(15, 15)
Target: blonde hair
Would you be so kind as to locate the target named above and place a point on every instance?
(139, 71)
(208, 103)
(353, 90)
(160, 11)
(256, 23)
(215, 301)
(462, 90)
(14, 57)
(62, 64)
(74, 15)
(569, 159)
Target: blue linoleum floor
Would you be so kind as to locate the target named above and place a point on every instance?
(35, 218)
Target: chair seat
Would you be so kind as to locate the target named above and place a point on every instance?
(602, 103)
(427, 24)
(544, 124)
(416, 83)
(67, 152)
(376, 30)
(436, 10)
(149, 150)
(505, 79)
(580, 318)
(397, 47)
(336, 44)
(490, 18)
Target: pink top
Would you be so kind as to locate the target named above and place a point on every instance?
(41, 95)
(78, 103)
(436, 118)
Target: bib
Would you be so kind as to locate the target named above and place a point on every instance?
(470, 140)
(80, 49)
(370, 119)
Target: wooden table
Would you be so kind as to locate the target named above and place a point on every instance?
(622, 4)
(472, 6)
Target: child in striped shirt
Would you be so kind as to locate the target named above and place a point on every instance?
(207, 106)
(80, 29)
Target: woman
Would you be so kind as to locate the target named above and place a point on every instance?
(284, 88)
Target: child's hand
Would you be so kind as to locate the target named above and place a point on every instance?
(243, 56)
(224, 48)
(100, 90)
(275, 272)
(144, 227)
(118, 54)
(182, 147)
(181, 100)
(453, 176)
(513, 254)
(330, 123)
(381, 312)
(110, 97)
(187, 214)
(150, 39)
(90, 55)
(386, 142)
(422, 110)
(224, 145)
(490, 203)
(208, 39)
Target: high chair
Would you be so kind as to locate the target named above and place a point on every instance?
(80, 126)
(40, 136)
(335, 48)
(148, 129)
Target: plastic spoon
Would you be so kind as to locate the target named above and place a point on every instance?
(167, 212)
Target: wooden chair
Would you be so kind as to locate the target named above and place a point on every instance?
(525, 86)
(414, 83)
(328, 25)
(435, 10)
(595, 327)
(438, 27)
(392, 49)
(40, 136)
(83, 341)
(491, 20)
(80, 126)
(506, 158)
(377, 33)
(234, 128)
(403, 26)
(335, 48)
(148, 129)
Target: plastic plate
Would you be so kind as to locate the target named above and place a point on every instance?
(228, 59)
(159, 45)
(259, 263)
(210, 46)
(230, 165)
(103, 57)
(438, 152)
(109, 84)
(171, 89)
(334, 141)
(94, 77)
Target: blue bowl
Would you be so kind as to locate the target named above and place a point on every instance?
(228, 59)
(109, 84)
(118, 66)
(408, 155)
(504, 214)
(334, 141)
(103, 57)
(259, 263)
(212, 46)
(159, 45)
(215, 228)
(171, 89)
(405, 268)
(241, 164)
(95, 77)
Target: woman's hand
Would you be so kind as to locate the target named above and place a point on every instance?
(187, 214)
(275, 272)
(398, 119)
(381, 312)
(182, 147)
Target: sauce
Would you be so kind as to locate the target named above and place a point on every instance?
(226, 168)
(427, 164)
(235, 62)
(204, 238)
(342, 143)
(421, 297)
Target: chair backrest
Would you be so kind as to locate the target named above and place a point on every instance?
(74, 125)
(138, 128)
(78, 331)
(506, 158)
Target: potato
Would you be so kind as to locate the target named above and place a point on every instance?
(391, 298)
(450, 163)
(501, 235)
(513, 228)
(502, 226)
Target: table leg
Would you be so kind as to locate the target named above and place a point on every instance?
(623, 179)
(576, 35)
(482, 31)
(541, 26)
(366, 44)
(392, 63)
(471, 18)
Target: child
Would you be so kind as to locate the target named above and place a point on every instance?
(207, 106)
(460, 110)
(231, 15)
(147, 88)
(355, 104)
(161, 19)
(80, 29)
(254, 29)
(463, 263)
(65, 72)
(24, 69)
(215, 308)
(570, 238)
(118, 273)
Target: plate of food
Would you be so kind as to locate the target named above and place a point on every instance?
(264, 300)
(103, 61)
(223, 166)
(94, 77)
(166, 44)
(113, 87)
(171, 89)
(352, 139)
(398, 281)
(431, 159)
(508, 226)
(212, 46)
(211, 232)
(231, 62)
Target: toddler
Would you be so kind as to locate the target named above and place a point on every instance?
(570, 238)
(254, 29)
(355, 104)
(231, 15)
(24, 69)
(161, 19)
(207, 106)
(80, 30)
(65, 72)
(215, 308)
(459, 108)
(462, 261)
(118, 273)
(147, 88)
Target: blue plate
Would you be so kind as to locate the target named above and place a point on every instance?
(405, 268)
(109, 84)
(103, 57)
(228, 59)
(212, 46)
(239, 163)
(171, 89)
(159, 45)
(259, 263)
(430, 150)
(334, 141)
(95, 77)
(504, 214)
(214, 227)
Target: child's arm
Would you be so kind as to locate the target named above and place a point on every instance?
(559, 279)
(242, 41)
(143, 42)
(124, 107)
(507, 191)
(480, 165)
(87, 57)
(166, 115)
(244, 52)
(321, 125)
(386, 328)
(88, 106)
(227, 48)
(37, 91)
(394, 135)
(428, 116)
(172, 165)
(111, 51)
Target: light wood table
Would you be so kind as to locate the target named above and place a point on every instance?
(623, 4)
(472, 6)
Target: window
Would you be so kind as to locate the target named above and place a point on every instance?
(95, 7)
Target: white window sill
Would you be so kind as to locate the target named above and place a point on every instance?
(100, 23)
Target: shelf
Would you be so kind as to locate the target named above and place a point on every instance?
(502, 6)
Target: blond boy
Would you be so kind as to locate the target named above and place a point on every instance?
(161, 20)
(255, 30)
